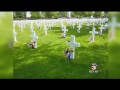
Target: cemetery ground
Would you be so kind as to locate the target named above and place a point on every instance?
(47, 62)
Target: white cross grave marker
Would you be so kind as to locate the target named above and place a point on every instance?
(73, 25)
(45, 30)
(101, 29)
(34, 38)
(93, 32)
(14, 35)
(73, 44)
(62, 26)
(64, 29)
(79, 28)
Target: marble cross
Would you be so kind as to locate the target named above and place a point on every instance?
(78, 30)
(93, 32)
(72, 45)
(64, 30)
(14, 35)
(34, 38)
(45, 30)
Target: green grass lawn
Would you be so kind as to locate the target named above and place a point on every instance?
(47, 61)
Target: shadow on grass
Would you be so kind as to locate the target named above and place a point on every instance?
(47, 62)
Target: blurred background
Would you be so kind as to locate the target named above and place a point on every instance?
(6, 61)
(114, 45)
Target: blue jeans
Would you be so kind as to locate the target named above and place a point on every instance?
(68, 57)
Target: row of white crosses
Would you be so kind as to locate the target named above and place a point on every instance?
(88, 24)
(67, 20)
(37, 23)
(45, 29)
(22, 23)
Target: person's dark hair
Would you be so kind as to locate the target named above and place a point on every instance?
(67, 50)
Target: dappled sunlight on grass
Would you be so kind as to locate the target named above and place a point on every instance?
(47, 61)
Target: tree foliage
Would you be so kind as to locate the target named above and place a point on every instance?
(59, 14)
(35, 15)
(19, 15)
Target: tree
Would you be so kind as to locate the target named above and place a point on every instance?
(52, 14)
(19, 15)
(97, 14)
(90, 14)
(42, 14)
(63, 14)
(35, 15)
(75, 14)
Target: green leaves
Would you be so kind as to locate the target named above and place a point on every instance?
(19, 15)
(35, 15)
(58, 14)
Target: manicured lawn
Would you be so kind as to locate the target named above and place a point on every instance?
(47, 61)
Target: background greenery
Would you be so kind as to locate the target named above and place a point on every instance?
(57, 14)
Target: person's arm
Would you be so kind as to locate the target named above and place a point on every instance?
(67, 54)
